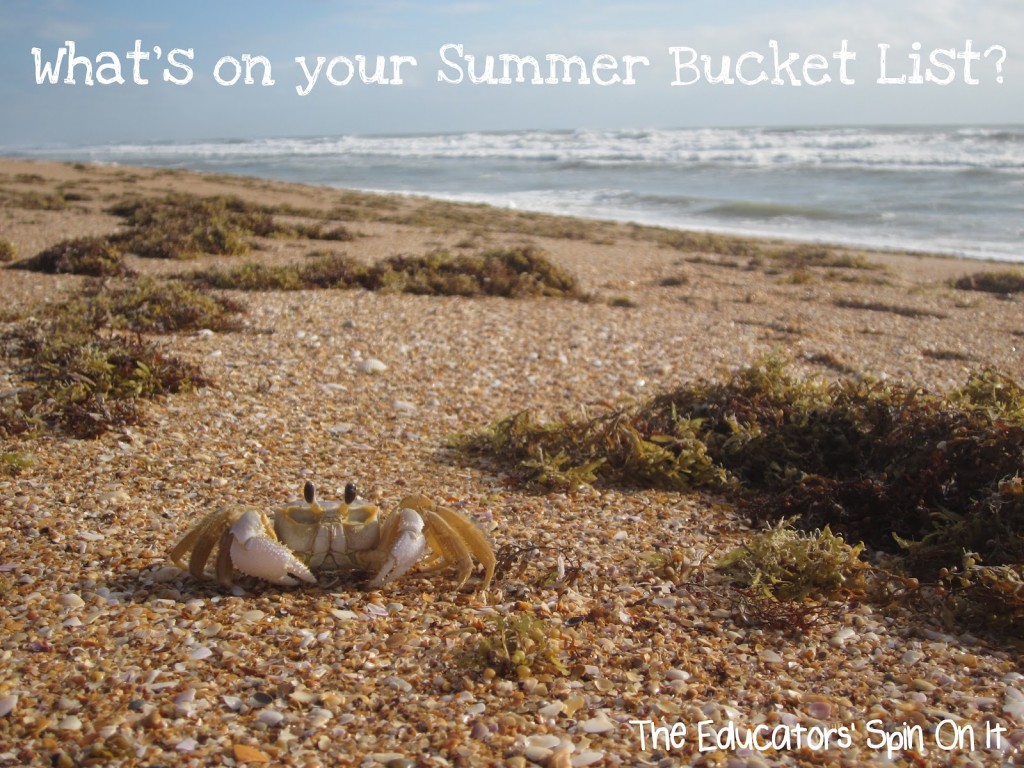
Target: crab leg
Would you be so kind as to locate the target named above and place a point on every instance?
(246, 546)
(453, 538)
(403, 541)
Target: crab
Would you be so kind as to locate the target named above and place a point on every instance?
(308, 535)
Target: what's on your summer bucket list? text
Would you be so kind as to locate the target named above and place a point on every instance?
(969, 63)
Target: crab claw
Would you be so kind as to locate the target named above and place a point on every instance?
(403, 540)
(246, 547)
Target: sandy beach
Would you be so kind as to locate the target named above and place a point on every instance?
(111, 655)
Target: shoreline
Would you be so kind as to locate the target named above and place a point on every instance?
(862, 186)
(169, 669)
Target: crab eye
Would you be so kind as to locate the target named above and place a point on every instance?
(309, 492)
(350, 493)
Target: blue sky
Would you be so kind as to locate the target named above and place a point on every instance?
(47, 114)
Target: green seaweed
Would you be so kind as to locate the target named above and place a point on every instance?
(787, 564)
(182, 226)
(84, 376)
(93, 256)
(925, 475)
(519, 646)
(149, 305)
(510, 272)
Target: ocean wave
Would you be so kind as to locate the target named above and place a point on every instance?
(837, 148)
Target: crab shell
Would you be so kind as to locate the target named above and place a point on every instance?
(308, 535)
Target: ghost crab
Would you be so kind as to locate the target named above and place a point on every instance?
(351, 535)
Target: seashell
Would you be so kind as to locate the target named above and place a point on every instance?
(371, 365)
(1013, 704)
(551, 710)
(7, 704)
(598, 724)
(543, 740)
(270, 717)
(71, 600)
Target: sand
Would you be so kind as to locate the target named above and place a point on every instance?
(110, 655)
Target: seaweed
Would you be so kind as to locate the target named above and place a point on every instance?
(183, 226)
(7, 250)
(1001, 281)
(86, 384)
(924, 475)
(331, 271)
(991, 597)
(519, 646)
(92, 256)
(84, 376)
(148, 305)
(784, 563)
(512, 272)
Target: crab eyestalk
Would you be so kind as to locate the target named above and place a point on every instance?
(350, 493)
(309, 492)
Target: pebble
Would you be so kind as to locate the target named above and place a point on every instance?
(911, 657)
(70, 723)
(246, 754)
(201, 652)
(587, 758)
(371, 365)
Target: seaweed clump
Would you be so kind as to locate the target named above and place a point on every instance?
(520, 646)
(333, 271)
(183, 226)
(1002, 281)
(784, 563)
(899, 468)
(87, 384)
(93, 256)
(154, 306)
(7, 250)
(83, 375)
(512, 273)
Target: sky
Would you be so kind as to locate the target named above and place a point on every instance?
(824, 84)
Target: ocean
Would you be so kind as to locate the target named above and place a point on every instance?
(954, 190)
